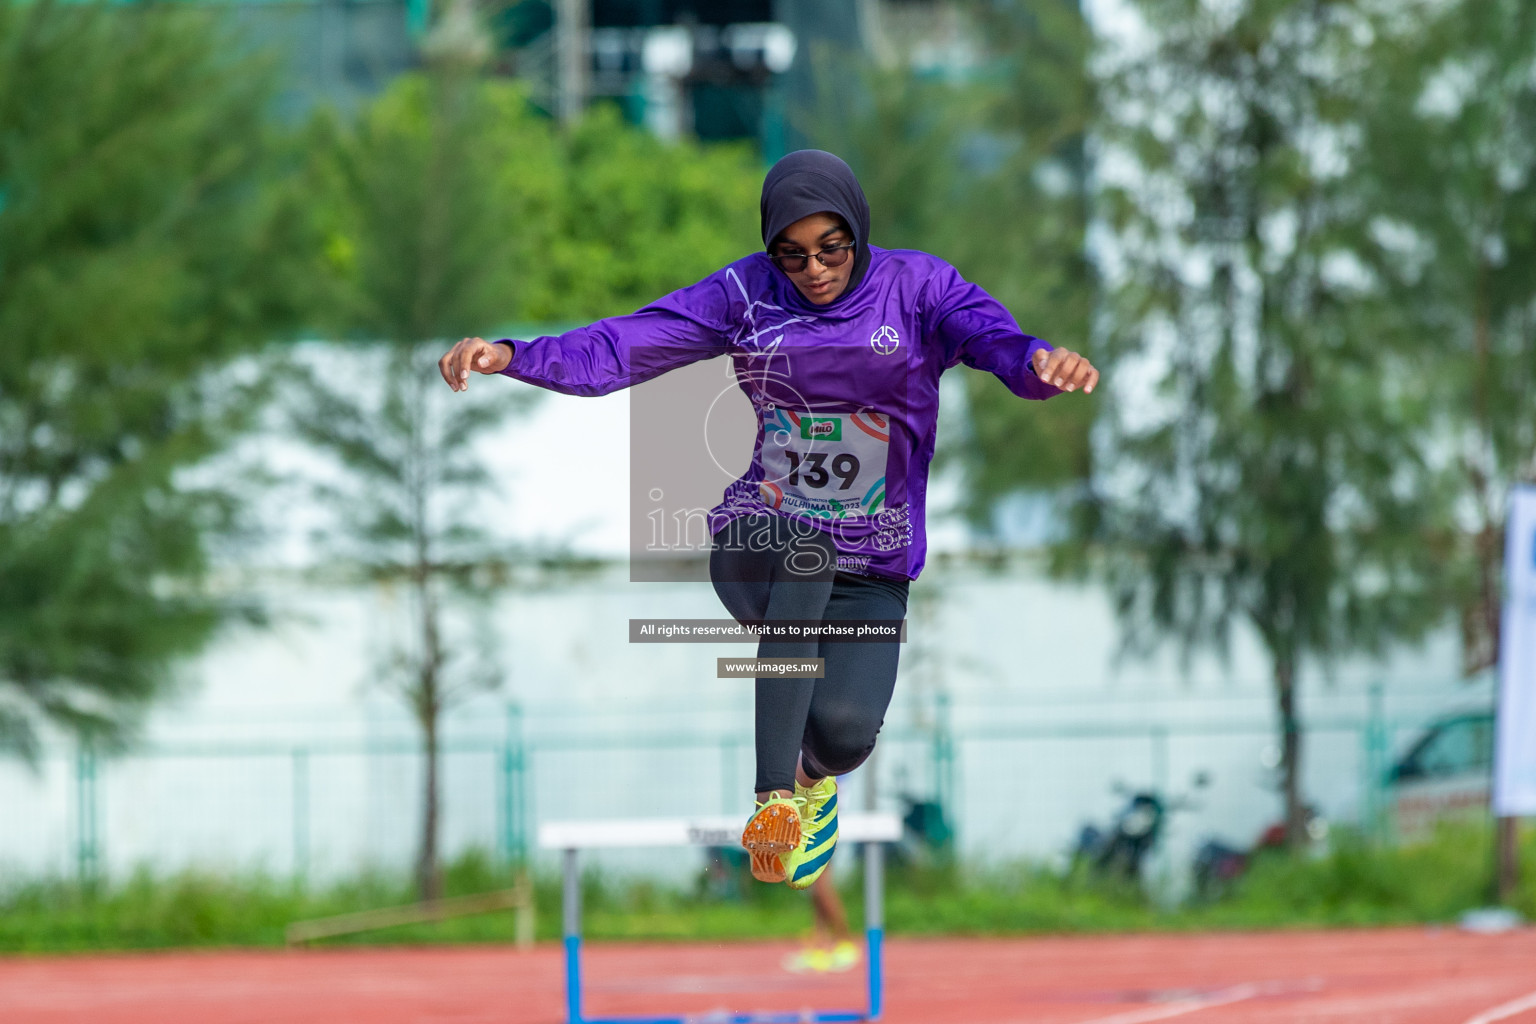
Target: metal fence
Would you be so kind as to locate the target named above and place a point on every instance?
(325, 807)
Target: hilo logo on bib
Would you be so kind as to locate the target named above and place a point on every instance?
(817, 428)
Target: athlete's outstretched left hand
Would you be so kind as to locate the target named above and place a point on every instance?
(1066, 370)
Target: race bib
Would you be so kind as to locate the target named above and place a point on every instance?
(830, 465)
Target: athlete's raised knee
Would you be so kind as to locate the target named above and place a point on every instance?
(840, 738)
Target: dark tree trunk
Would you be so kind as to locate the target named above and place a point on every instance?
(1290, 754)
(429, 880)
(1482, 617)
(1506, 875)
(429, 697)
(429, 707)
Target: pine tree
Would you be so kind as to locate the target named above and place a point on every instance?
(1452, 158)
(1262, 462)
(458, 210)
(427, 196)
(142, 249)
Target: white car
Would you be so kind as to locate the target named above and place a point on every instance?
(1446, 775)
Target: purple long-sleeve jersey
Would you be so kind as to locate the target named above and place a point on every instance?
(846, 395)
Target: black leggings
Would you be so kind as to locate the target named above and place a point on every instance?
(770, 568)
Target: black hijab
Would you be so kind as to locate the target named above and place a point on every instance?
(811, 181)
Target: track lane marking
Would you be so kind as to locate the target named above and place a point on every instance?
(1179, 1008)
(1504, 1010)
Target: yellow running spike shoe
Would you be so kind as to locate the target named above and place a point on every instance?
(844, 957)
(773, 830)
(816, 960)
(818, 831)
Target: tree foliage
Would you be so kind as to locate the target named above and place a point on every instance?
(1039, 107)
(143, 245)
(632, 217)
(989, 172)
(455, 209)
(1263, 460)
(1451, 153)
(427, 206)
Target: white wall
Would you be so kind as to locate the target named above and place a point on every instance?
(1026, 661)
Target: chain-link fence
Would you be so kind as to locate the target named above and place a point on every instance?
(1012, 781)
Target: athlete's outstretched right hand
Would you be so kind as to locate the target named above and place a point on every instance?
(472, 354)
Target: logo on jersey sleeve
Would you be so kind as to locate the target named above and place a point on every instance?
(885, 340)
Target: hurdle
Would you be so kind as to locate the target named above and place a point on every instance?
(572, 836)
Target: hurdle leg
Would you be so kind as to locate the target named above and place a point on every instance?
(874, 924)
(571, 899)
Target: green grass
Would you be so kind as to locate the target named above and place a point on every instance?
(1355, 884)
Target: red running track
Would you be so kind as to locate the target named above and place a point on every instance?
(1397, 976)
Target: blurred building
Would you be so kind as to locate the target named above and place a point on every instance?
(716, 69)
(338, 52)
(712, 69)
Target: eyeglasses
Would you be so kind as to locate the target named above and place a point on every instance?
(831, 256)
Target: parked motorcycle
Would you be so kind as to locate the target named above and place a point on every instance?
(1217, 866)
(1121, 850)
(926, 835)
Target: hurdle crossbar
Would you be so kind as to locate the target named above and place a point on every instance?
(571, 836)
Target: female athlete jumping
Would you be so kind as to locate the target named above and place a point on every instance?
(839, 345)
